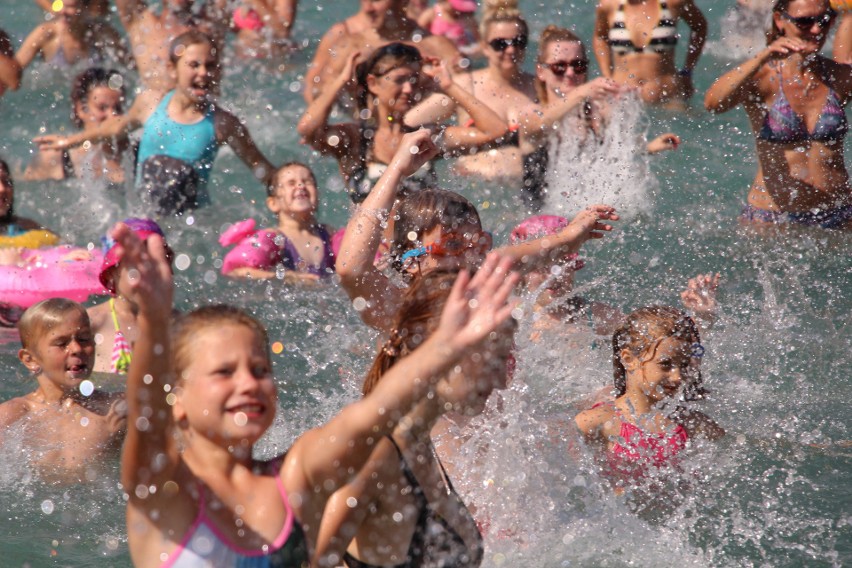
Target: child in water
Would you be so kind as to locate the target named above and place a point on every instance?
(66, 424)
(200, 397)
(299, 244)
(114, 321)
(656, 353)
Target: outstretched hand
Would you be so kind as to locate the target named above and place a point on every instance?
(52, 142)
(415, 149)
(590, 223)
(700, 295)
(149, 271)
(479, 305)
(663, 142)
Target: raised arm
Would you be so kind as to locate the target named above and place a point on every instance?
(113, 127)
(327, 48)
(842, 51)
(737, 85)
(330, 456)
(149, 455)
(697, 37)
(487, 125)
(314, 126)
(129, 11)
(535, 253)
(10, 69)
(229, 130)
(31, 47)
(600, 41)
(358, 275)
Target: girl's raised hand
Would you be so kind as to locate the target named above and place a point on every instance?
(479, 305)
(663, 142)
(415, 149)
(590, 224)
(700, 295)
(149, 271)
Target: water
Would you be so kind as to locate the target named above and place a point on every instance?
(774, 492)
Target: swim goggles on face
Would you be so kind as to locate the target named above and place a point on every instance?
(451, 244)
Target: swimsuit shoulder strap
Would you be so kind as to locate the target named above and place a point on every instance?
(114, 314)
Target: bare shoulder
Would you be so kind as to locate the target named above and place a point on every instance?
(592, 421)
(99, 316)
(13, 411)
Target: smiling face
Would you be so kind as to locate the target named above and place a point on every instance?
(396, 90)
(808, 20)
(295, 193)
(560, 66)
(227, 393)
(510, 54)
(466, 388)
(196, 71)
(63, 352)
(661, 370)
(100, 104)
(464, 246)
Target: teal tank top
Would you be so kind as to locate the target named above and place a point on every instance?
(194, 143)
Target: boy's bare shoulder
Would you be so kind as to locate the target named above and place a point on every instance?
(14, 410)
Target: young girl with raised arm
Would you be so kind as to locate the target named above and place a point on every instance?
(66, 425)
(200, 397)
(434, 229)
(407, 511)
(299, 245)
(182, 131)
(656, 353)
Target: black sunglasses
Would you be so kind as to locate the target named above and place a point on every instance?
(807, 22)
(502, 44)
(559, 68)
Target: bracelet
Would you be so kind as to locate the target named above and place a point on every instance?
(685, 72)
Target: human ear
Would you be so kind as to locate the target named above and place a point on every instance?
(178, 411)
(272, 204)
(371, 83)
(29, 360)
(629, 360)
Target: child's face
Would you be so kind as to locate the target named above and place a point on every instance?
(227, 393)
(661, 371)
(196, 72)
(64, 352)
(100, 104)
(467, 387)
(295, 192)
(464, 246)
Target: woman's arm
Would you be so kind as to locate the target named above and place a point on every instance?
(10, 69)
(358, 275)
(314, 126)
(537, 122)
(33, 45)
(697, 37)
(736, 86)
(330, 456)
(842, 51)
(600, 41)
(229, 130)
(487, 125)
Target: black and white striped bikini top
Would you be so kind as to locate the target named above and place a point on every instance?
(663, 36)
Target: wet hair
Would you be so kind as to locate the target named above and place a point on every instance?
(384, 60)
(187, 326)
(10, 214)
(642, 331)
(502, 12)
(6, 46)
(550, 35)
(422, 211)
(780, 7)
(86, 81)
(270, 189)
(417, 318)
(41, 317)
(183, 41)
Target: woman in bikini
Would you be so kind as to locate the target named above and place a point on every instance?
(794, 98)
(635, 43)
(97, 95)
(393, 78)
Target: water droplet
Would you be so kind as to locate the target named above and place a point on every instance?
(47, 507)
(182, 262)
(240, 419)
(277, 347)
(359, 304)
(87, 388)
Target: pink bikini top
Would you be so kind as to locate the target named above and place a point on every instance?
(635, 446)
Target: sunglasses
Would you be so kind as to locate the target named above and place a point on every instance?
(502, 44)
(559, 68)
(807, 22)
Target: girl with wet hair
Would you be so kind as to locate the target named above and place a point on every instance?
(656, 356)
(97, 95)
(390, 82)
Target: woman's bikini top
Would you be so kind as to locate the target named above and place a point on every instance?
(783, 126)
(369, 170)
(434, 543)
(663, 36)
(205, 545)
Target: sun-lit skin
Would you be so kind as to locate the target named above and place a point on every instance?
(101, 103)
(659, 372)
(397, 90)
(562, 52)
(228, 396)
(295, 193)
(64, 355)
(197, 72)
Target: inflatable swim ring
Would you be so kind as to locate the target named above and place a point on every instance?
(34, 239)
(49, 273)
